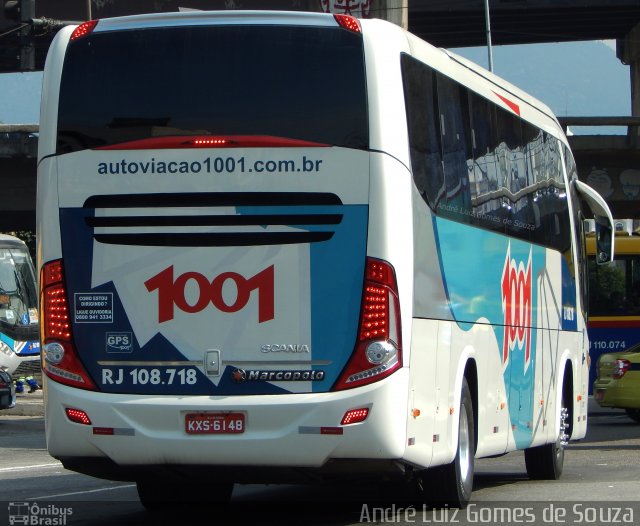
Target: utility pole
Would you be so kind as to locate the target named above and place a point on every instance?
(20, 33)
(22, 12)
(488, 26)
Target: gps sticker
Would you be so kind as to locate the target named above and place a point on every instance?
(119, 342)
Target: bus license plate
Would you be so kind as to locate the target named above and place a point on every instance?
(214, 423)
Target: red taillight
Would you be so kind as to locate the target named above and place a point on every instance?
(348, 22)
(57, 324)
(52, 273)
(78, 416)
(355, 416)
(620, 368)
(59, 359)
(374, 315)
(378, 351)
(83, 30)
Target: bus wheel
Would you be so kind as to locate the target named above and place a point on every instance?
(451, 485)
(545, 462)
(159, 495)
(634, 414)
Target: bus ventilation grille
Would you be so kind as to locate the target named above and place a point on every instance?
(214, 219)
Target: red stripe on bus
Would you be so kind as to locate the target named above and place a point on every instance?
(514, 107)
(613, 323)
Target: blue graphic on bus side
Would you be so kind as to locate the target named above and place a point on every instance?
(508, 271)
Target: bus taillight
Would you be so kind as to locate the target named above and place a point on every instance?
(349, 22)
(83, 30)
(78, 416)
(379, 349)
(59, 358)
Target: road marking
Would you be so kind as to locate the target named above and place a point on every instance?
(98, 490)
(25, 468)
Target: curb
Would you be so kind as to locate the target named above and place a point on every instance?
(27, 404)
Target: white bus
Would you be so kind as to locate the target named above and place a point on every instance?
(278, 246)
(19, 330)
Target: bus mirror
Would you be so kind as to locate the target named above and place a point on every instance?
(605, 236)
(604, 242)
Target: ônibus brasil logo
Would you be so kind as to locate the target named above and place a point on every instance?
(516, 307)
(171, 292)
(32, 513)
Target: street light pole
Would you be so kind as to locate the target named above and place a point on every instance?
(488, 26)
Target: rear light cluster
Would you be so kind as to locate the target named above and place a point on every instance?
(355, 416)
(349, 22)
(60, 360)
(620, 368)
(57, 323)
(211, 141)
(78, 416)
(378, 351)
(83, 30)
(208, 142)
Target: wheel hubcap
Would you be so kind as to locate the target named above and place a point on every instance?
(464, 447)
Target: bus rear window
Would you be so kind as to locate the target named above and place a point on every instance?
(305, 83)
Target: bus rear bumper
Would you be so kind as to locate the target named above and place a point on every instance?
(333, 469)
(134, 434)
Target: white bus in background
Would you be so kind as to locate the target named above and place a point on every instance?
(19, 327)
(276, 246)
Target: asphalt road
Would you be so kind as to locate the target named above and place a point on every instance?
(600, 485)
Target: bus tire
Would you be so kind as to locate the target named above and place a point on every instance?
(451, 485)
(546, 462)
(633, 414)
(160, 495)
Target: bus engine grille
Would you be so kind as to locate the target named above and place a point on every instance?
(214, 219)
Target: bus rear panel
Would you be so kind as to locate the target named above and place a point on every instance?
(212, 259)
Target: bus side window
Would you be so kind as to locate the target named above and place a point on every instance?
(456, 147)
(579, 224)
(484, 169)
(423, 129)
(551, 204)
(509, 170)
(634, 293)
(525, 212)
